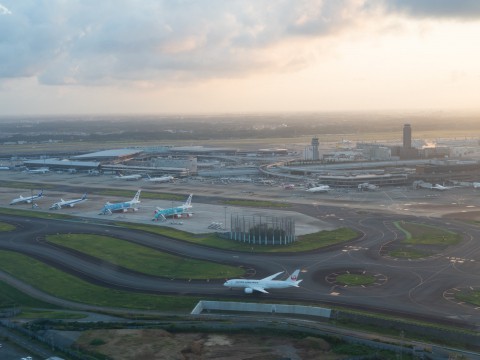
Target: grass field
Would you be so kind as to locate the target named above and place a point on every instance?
(256, 203)
(419, 234)
(408, 254)
(143, 259)
(6, 227)
(355, 279)
(307, 242)
(69, 287)
(470, 296)
(11, 297)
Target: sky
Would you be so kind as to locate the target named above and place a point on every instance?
(238, 56)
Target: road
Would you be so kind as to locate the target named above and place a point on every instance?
(418, 289)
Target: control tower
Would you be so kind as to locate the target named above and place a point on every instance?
(407, 136)
(315, 144)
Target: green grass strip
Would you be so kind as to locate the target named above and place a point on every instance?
(6, 227)
(43, 314)
(144, 195)
(307, 242)
(11, 297)
(256, 203)
(69, 287)
(408, 254)
(143, 259)
(419, 234)
(469, 296)
(355, 279)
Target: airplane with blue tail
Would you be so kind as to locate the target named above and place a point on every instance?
(176, 212)
(110, 208)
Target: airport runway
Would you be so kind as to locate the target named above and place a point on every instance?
(415, 288)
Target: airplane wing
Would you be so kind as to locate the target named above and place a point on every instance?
(271, 277)
(257, 288)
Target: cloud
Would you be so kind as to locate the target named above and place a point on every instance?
(4, 10)
(91, 42)
(460, 9)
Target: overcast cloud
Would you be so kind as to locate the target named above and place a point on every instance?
(123, 42)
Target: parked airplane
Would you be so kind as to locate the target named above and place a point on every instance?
(110, 208)
(441, 187)
(250, 286)
(27, 200)
(320, 188)
(160, 179)
(70, 203)
(177, 212)
(42, 170)
(4, 168)
(132, 177)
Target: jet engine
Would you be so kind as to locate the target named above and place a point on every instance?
(248, 290)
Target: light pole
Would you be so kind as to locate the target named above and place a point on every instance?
(225, 223)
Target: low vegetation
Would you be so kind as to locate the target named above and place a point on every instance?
(145, 194)
(355, 279)
(420, 234)
(13, 298)
(69, 287)
(306, 242)
(422, 240)
(143, 259)
(6, 227)
(408, 254)
(256, 203)
(469, 296)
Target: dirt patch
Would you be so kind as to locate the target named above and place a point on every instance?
(160, 344)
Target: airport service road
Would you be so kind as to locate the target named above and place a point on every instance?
(415, 288)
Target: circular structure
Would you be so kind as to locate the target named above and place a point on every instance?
(262, 230)
(350, 278)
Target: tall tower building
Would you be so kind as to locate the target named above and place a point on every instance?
(407, 136)
(315, 144)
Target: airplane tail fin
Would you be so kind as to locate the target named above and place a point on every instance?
(136, 198)
(188, 203)
(293, 278)
(40, 194)
(84, 196)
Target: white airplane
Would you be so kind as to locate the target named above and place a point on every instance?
(176, 212)
(4, 168)
(320, 188)
(132, 177)
(160, 179)
(110, 208)
(70, 203)
(441, 187)
(42, 170)
(250, 286)
(27, 200)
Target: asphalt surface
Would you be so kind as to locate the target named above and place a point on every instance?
(420, 288)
